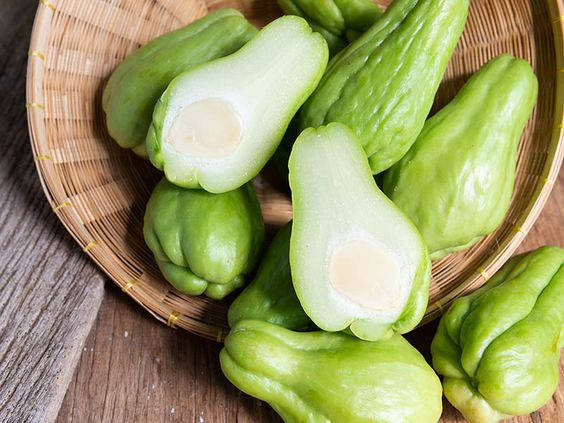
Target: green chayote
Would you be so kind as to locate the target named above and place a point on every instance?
(202, 242)
(270, 297)
(498, 348)
(457, 180)
(382, 86)
(137, 83)
(335, 18)
(322, 377)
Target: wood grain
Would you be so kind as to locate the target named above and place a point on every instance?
(134, 369)
(49, 291)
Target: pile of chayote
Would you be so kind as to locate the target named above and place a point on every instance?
(317, 332)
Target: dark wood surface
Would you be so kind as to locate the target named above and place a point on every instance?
(131, 368)
(49, 291)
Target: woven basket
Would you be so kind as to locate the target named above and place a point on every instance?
(99, 191)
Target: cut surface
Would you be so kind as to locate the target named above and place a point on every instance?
(206, 128)
(365, 273)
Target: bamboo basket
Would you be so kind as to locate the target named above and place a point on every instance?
(99, 191)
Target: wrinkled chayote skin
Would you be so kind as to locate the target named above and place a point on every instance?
(138, 82)
(270, 297)
(382, 86)
(457, 180)
(323, 377)
(498, 348)
(204, 243)
(336, 20)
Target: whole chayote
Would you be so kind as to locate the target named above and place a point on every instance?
(138, 82)
(323, 377)
(498, 348)
(202, 242)
(270, 296)
(457, 180)
(382, 86)
(339, 21)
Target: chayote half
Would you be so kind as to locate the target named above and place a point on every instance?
(357, 262)
(137, 83)
(457, 180)
(498, 348)
(322, 377)
(336, 20)
(270, 296)
(216, 126)
(382, 86)
(204, 243)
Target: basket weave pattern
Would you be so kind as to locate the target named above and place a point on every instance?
(99, 191)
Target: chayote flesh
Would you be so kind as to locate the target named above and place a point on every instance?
(322, 377)
(382, 85)
(335, 19)
(457, 180)
(270, 296)
(204, 243)
(216, 126)
(498, 348)
(137, 83)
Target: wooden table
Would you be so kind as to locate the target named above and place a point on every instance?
(73, 347)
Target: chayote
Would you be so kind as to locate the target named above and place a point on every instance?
(322, 377)
(202, 242)
(137, 83)
(456, 182)
(382, 86)
(334, 18)
(498, 348)
(216, 126)
(270, 297)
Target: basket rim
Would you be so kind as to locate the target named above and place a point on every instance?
(166, 314)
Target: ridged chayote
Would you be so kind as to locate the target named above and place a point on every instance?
(382, 85)
(137, 83)
(270, 296)
(202, 242)
(336, 20)
(456, 182)
(498, 348)
(322, 377)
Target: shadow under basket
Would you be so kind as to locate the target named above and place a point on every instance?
(99, 191)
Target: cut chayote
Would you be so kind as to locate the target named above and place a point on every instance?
(202, 242)
(357, 262)
(335, 19)
(382, 86)
(498, 348)
(270, 296)
(457, 180)
(217, 125)
(137, 83)
(322, 377)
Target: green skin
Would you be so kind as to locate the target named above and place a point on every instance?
(204, 243)
(278, 70)
(137, 83)
(457, 180)
(333, 190)
(270, 297)
(334, 18)
(322, 377)
(498, 348)
(382, 86)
